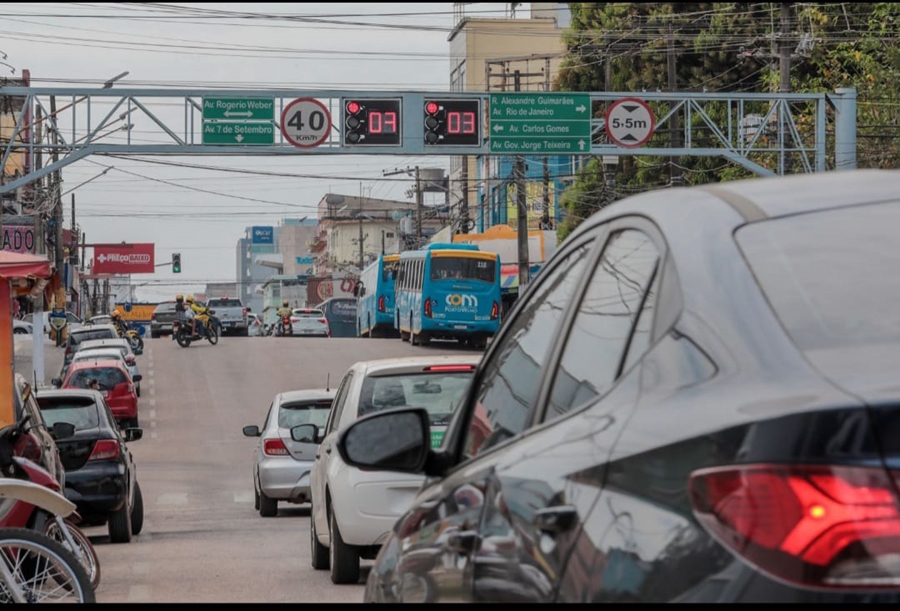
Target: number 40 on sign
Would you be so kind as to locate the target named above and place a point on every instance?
(306, 123)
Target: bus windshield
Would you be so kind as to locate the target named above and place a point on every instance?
(465, 268)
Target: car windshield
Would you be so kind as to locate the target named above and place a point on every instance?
(463, 268)
(108, 377)
(308, 313)
(83, 336)
(830, 276)
(81, 412)
(225, 303)
(437, 392)
(164, 307)
(303, 412)
(94, 354)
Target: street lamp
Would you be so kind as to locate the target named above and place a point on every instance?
(108, 84)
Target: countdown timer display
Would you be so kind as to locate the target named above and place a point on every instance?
(371, 122)
(452, 122)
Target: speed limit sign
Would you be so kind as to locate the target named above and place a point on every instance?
(306, 123)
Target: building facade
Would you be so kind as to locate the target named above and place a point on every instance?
(503, 54)
(251, 273)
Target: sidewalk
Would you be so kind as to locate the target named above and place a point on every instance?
(23, 350)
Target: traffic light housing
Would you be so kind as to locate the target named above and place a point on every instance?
(176, 262)
(434, 122)
(355, 123)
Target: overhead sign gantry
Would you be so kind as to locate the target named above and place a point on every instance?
(744, 128)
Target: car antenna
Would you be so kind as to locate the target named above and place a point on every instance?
(328, 381)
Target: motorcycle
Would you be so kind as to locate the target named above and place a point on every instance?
(285, 327)
(181, 331)
(134, 338)
(40, 505)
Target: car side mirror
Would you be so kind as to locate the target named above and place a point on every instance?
(305, 433)
(133, 434)
(56, 383)
(393, 440)
(251, 431)
(130, 359)
(137, 378)
(62, 430)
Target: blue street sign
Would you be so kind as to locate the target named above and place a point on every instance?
(128, 307)
(262, 235)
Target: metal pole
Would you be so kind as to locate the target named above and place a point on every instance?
(361, 254)
(37, 337)
(674, 124)
(419, 205)
(845, 129)
(521, 206)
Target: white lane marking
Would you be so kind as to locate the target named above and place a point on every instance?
(152, 402)
(150, 371)
(172, 498)
(152, 391)
(152, 414)
(244, 497)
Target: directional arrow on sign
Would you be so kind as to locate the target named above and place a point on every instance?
(581, 145)
(245, 113)
(581, 108)
(498, 128)
(239, 137)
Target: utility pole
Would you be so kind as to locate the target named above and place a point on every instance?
(675, 175)
(58, 260)
(464, 205)
(419, 205)
(545, 216)
(362, 257)
(521, 205)
(784, 49)
(37, 337)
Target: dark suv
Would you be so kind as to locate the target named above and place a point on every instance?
(162, 319)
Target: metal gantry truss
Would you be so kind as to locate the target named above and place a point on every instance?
(767, 133)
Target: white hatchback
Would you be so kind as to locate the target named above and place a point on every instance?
(309, 321)
(354, 510)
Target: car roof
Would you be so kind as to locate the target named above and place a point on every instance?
(87, 353)
(69, 392)
(95, 364)
(92, 328)
(410, 364)
(110, 342)
(308, 394)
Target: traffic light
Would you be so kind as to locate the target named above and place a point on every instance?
(434, 121)
(176, 262)
(355, 122)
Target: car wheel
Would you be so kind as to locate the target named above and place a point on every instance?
(343, 558)
(255, 499)
(154, 335)
(20, 331)
(137, 512)
(267, 507)
(137, 390)
(318, 553)
(120, 525)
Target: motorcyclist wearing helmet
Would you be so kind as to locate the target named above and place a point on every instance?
(284, 311)
(115, 317)
(181, 312)
(200, 314)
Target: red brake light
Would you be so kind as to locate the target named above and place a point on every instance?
(244, 311)
(495, 311)
(105, 449)
(324, 321)
(823, 526)
(274, 447)
(381, 304)
(428, 308)
(449, 368)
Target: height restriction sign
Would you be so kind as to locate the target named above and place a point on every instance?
(630, 122)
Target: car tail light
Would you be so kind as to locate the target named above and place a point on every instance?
(449, 368)
(104, 449)
(381, 307)
(274, 447)
(428, 311)
(293, 320)
(322, 320)
(244, 311)
(821, 526)
(495, 311)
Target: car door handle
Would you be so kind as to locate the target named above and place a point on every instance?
(554, 520)
(328, 450)
(462, 542)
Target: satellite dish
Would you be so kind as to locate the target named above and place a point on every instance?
(333, 199)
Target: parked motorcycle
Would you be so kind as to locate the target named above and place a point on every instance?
(41, 505)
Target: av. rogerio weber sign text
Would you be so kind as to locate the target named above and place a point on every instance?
(123, 259)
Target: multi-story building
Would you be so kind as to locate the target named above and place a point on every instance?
(354, 230)
(503, 54)
(252, 269)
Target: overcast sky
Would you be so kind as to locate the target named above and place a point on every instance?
(198, 212)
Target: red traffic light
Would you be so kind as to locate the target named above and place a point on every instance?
(431, 107)
(353, 107)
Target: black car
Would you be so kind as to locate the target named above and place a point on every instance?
(162, 319)
(101, 476)
(695, 400)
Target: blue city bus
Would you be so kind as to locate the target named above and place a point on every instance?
(375, 298)
(448, 291)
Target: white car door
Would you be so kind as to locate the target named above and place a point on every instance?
(326, 451)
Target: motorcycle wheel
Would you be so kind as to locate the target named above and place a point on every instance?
(137, 343)
(212, 335)
(183, 339)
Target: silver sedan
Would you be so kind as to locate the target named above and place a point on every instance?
(281, 466)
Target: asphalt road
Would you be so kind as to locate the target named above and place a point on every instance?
(202, 539)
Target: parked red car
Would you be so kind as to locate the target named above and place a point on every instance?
(115, 383)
